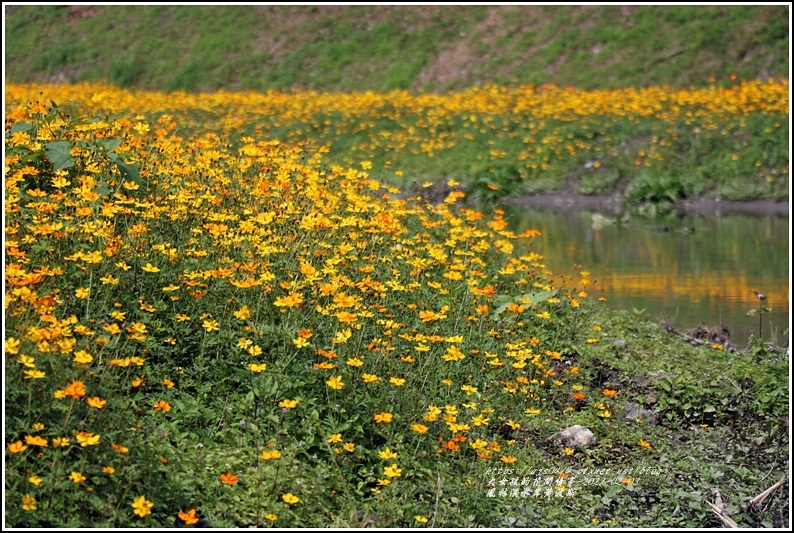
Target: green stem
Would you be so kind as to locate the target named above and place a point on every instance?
(88, 300)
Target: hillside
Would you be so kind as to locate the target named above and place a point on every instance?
(417, 48)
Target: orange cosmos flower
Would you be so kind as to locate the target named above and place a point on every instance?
(189, 517)
(76, 389)
(229, 478)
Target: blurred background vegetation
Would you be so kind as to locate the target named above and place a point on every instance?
(380, 48)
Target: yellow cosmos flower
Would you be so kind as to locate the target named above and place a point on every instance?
(255, 350)
(96, 402)
(162, 405)
(142, 506)
(257, 368)
(421, 519)
(77, 477)
(370, 378)
(288, 404)
(272, 454)
(342, 337)
(478, 444)
(28, 503)
(387, 454)
(35, 480)
(419, 428)
(383, 417)
(59, 182)
(399, 382)
(300, 342)
(290, 498)
(109, 470)
(12, 346)
(119, 448)
(350, 447)
(271, 516)
(87, 439)
(32, 440)
(243, 313)
(335, 382)
(82, 357)
(393, 471)
(150, 268)
(336, 437)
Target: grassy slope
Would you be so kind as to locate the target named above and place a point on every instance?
(421, 48)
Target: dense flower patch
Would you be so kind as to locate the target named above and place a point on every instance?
(336, 320)
(205, 322)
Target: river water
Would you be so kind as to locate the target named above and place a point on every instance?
(687, 270)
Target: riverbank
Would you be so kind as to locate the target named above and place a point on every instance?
(613, 204)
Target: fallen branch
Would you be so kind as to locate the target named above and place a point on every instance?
(758, 500)
(719, 509)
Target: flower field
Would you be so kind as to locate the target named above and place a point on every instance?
(205, 323)
(653, 144)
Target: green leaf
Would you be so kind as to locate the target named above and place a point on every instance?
(752, 312)
(127, 170)
(109, 144)
(531, 298)
(20, 126)
(58, 153)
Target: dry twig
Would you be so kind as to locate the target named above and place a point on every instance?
(719, 509)
(758, 500)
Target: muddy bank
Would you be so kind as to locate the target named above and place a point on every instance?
(613, 204)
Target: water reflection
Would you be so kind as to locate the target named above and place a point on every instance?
(687, 270)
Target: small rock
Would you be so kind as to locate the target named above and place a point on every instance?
(634, 411)
(576, 436)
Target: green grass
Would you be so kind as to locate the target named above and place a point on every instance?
(427, 48)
